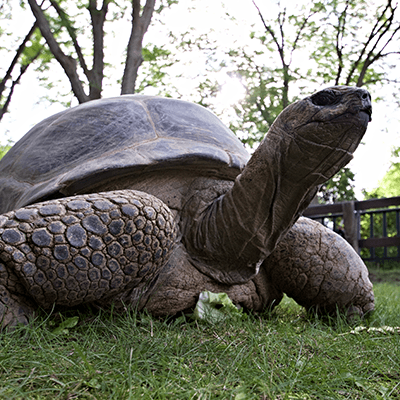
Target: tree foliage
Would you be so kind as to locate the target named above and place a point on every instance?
(358, 38)
(389, 185)
(74, 35)
(25, 51)
(3, 149)
(291, 53)
(58, 27)
(339, 188)
(329, 42)
(270, 68)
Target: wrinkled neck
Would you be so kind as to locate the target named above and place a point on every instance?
(232, 236)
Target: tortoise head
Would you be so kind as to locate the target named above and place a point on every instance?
(322, 115)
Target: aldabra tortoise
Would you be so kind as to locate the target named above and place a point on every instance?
(145, 202)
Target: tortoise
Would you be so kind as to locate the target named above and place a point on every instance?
(144, 202)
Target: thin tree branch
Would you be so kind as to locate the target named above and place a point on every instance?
(134, 56)
(281, 51)
(388, 54)
(382, 25)
(71, 31)
(98, 18)
(18, 53)
(66, 62)
(371, 58)
(4, 108)
(339, 37)
(267, 27)
(282, 20)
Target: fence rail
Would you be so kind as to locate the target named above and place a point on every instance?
(372, 227)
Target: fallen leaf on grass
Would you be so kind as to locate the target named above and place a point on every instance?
(64, 327)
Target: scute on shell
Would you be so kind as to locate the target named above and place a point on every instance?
(106, 138)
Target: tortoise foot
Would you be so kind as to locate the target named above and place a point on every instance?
(13, 310)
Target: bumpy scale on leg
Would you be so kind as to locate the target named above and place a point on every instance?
(320, 270)
(81, 249)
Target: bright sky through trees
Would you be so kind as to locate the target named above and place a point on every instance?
(198, 18)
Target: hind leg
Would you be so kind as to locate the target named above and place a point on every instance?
(320, 270)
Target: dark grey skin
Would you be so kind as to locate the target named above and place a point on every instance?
(146, 202)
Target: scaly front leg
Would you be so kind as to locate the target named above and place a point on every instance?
(81, 249)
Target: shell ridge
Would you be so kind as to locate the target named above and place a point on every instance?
(149, 117)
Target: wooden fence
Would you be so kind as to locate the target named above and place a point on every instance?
(372, 227)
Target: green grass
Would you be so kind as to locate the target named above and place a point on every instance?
(378, 275)
(284, 355)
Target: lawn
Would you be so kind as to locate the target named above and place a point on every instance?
(286, 354)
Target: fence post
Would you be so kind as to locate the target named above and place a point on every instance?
(350, 224)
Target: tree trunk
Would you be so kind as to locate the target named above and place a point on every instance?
(97, 73)
(134, 57)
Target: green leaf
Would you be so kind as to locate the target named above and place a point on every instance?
(4, 149)
(64, 327)
(215, 308)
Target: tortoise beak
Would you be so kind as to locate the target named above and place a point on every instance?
(368, 111)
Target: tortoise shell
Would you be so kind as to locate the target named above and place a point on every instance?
(103, 139)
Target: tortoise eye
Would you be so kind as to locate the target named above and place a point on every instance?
(325, 98)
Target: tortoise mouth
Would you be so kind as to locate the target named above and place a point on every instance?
(368, 111)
